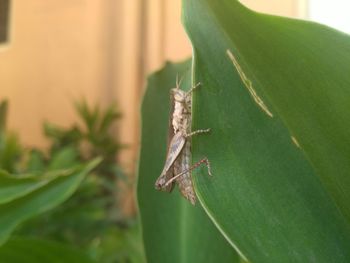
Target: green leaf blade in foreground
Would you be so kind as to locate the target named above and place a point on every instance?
(14, 187)
(32, 250)
(41, 199)
(280, 190)
(173, 229)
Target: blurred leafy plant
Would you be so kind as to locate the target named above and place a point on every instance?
(91, 219)
(10, 149)
(93, 138)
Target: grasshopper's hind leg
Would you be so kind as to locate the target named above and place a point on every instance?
(203, 161)
(197, 132)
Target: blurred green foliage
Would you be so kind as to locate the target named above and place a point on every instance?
(10, 150)
(33, 250)
(91, 219)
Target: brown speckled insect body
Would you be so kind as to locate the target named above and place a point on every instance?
(178, 167)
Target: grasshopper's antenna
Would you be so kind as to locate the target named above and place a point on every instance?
(178, 82)
(193, 88)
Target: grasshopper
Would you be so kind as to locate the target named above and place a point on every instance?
(177, 167)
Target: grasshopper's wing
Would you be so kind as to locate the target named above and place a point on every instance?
(168, 172)
(175, 147)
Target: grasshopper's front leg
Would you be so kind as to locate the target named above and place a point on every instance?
(197, 132)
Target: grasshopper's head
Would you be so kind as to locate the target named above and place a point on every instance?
(179, 95)
(160, 183)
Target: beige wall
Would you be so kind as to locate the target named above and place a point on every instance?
(99, 49)
(291, 8)
(57, 53)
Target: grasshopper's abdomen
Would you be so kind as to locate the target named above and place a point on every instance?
(185, 181)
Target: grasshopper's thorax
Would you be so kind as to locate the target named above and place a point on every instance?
(182, 110)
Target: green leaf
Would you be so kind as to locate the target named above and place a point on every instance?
(173, 229)
(32, 250)
(10, 151)
(37, 197)
(14, 187)
(36, 161)
(275, 92)
(10, 148)
(120, 245)
(88, 114)
(63, 158)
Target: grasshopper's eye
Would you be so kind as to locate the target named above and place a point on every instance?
(178, 98)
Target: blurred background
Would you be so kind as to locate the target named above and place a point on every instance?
(57, 54)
